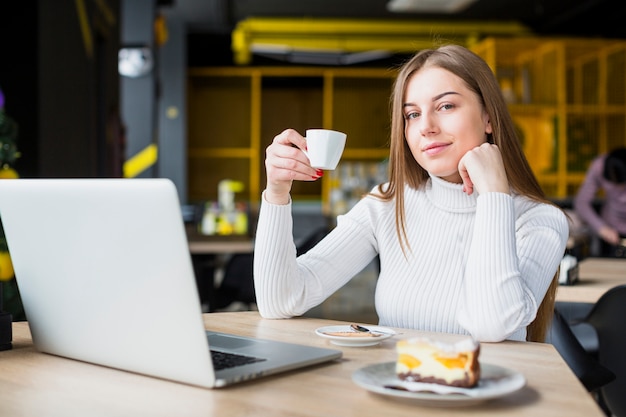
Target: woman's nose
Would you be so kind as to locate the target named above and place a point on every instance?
(428, 124)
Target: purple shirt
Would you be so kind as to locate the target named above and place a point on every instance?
(613, 211)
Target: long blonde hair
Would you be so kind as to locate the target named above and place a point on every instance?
(403, 170)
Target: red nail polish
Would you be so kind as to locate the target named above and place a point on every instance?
(319, 172)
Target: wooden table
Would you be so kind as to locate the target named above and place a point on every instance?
(214, 245)
(596, 276)
(36, 384)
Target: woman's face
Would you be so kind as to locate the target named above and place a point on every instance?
(443, 120)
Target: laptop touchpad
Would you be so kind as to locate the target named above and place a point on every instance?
(229, 342)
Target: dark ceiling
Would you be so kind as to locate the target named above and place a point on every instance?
(590, 18)
(209, 23)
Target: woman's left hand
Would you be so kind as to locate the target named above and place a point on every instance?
(482, 170)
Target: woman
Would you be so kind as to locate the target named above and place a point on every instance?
(607, 173)
(466, 240)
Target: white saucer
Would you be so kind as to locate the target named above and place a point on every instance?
(356, 341)
(495, 381)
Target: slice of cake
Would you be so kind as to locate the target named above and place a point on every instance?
(431, 361)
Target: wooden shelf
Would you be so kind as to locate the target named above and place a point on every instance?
(234, 114)
(568, 99)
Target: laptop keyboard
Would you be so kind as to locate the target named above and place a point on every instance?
(223, 360)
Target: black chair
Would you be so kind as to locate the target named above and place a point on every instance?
(574, 313)
(238, 281)
(590, 373)
(608, 317)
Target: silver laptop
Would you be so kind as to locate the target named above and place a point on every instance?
(105, 275)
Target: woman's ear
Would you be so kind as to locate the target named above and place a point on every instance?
(487, 122)
(488, 130)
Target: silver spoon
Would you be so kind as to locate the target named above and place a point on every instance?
(362, 329)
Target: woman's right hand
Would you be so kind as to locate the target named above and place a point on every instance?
(482, 170)
(286, 161)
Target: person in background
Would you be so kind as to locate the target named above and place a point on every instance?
(466, 240)
(606, 173)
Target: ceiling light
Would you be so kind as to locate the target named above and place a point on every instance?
(317, 57)
(428, 6)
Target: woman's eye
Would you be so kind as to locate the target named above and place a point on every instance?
(412, 115)
(446, 106)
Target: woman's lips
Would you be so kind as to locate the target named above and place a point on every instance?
(435, 148)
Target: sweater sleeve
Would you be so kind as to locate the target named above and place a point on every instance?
(287, 285)
(515, 252)
(586, 194)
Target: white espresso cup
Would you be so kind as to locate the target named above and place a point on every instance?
(324, 147)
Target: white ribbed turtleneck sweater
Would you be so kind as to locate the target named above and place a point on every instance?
(477, 265)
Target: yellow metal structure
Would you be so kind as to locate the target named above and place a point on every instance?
(231, 144)
(350, 35)
(567, 98)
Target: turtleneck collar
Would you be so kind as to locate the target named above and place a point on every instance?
(449, 196)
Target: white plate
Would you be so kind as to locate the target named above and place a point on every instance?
(366, 340)
(495, 381)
